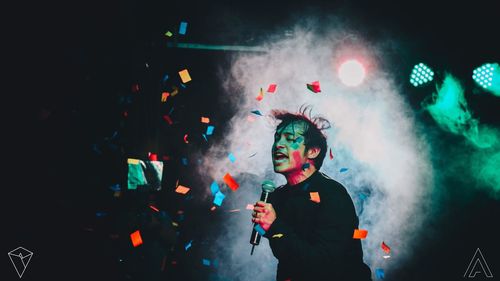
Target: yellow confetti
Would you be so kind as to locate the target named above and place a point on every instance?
(133, 161)
(184, 76)
(168, 33)
(279, 235)
(175, 224)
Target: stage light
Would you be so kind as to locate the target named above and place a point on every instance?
(421, 74)
(487, 75)
(351, 73)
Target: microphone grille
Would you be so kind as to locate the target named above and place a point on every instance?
(268, 186)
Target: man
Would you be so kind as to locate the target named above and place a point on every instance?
(310, 221)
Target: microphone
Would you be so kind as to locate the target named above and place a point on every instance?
(267, 187)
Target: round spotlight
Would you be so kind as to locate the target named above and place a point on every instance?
(351, 73)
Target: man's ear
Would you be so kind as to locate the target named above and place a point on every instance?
(313, 152)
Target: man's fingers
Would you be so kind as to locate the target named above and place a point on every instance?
(261, 203)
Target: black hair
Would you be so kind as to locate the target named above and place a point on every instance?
(313, 135)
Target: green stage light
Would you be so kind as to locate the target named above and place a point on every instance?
(421, 74)
(487, 75)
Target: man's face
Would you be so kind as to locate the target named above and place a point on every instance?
(288, 150)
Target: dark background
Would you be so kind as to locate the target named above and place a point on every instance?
(70, 67)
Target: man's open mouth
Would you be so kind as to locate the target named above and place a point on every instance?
(280, 156)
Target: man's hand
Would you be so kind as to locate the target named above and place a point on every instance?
(264, 214)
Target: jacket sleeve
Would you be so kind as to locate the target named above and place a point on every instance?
(329, 238)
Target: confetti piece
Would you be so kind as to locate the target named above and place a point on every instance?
(214, 187)
(305, 166)
(182, 189)
(185, 138)
(164, 96)
(174, 93)
(213, 208)
(152, 156)
(168, 119)
(342, 170)
(184, 74)
(379, 272)
(183, 27)
(205, 120)
(115, 187)
(230, 182)
(252, 155)
(133, 161)
(314, 87)
(219, 197)
(386, 256)
(256, 112)
(279, 235)
(168, 34)
(117, 194)
(210, 130)
(154, 208)
(206, 262)
(331, 154)
(272, 88)
(315, 197)
(135, 88)
(136, 238)
(165, 158)
(184, 161)
(100, 214)
(234, 211)
(259, 229)
(188, 245)
(250, 207)
(386, 248)
(260, 96)
(231, 157)
(360, 234)
(183, 86)
(175, 224)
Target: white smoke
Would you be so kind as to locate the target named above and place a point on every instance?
(373, 135)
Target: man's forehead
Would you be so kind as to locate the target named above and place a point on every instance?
(296, 127)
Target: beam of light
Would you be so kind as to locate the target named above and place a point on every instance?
(351, 73)
(488, 77)
(421, 75)
(216, 47)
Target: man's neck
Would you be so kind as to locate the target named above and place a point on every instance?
(295, 178)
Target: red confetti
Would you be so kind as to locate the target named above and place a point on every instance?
(136, 238)
(231, 182)
(331, 154)
(164, 96)
(168, 119)
(272, 88)
(185, 138)
(314, 86)
(385, 247)
(154, 208)
(153, 157)
(135, 88)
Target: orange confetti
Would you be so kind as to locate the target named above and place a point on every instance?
(175, 91)
(231, 182)
(182, 189)
(185, 77)
(360, 234)
(315, 197)
(205, 120)
(164, 96)
(136, 238)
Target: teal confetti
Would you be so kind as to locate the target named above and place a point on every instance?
(219, 197)
(214, 188)
(256, 112)
(183, 27)
(379, 272)
(231, 157)
(188, 245)
(305, 166)
(210, 130)
(206, 262)
(184, 161)
(342, 170)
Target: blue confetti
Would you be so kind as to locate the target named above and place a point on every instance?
(165, 78)
(206, 262)
(183, 86)
(214, 188)
(115, 187)
(305, 187)
(256, 112)
(379, 272)
(184, 161)
(342, 170)
(188, 245)
(210, 130)
(259, 229)
(231, 157)
(183, 27)
(100, 214)
(219, 197)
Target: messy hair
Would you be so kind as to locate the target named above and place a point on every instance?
(314, 126)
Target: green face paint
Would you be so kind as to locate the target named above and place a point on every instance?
(288, 148)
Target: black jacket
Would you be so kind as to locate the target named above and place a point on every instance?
(314, 241)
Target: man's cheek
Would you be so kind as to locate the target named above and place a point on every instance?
(296, 156)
